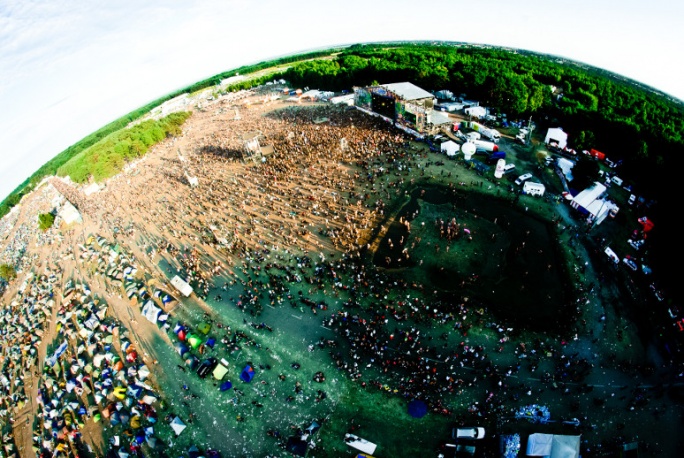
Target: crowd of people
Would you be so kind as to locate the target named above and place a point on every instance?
(293, 230)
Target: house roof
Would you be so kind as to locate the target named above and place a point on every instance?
(408, 91)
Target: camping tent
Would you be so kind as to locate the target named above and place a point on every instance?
(151, 311)
(247, 374)
(220, 370)
(553, 445)
(178, 426)
(417, 408)
(194, 340)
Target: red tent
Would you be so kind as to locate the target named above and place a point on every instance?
(646, 223)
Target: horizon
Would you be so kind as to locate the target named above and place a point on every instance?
(69, 69)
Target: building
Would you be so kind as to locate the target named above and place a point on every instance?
(556, 136)
(404, 104)
(591, 204)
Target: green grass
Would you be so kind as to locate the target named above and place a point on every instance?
(107, 157)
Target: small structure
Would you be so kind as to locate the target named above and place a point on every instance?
(533, 189)
(182, 286)
(360, 444)
(91, 189)
(69, 213)
(252, 149)
(556, 136)
(476, 112)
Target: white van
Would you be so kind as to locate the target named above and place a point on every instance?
(522, 178)
(617, 180)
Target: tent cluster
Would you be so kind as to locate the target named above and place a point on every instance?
(22, 325)
(192, 343)
(94, 375)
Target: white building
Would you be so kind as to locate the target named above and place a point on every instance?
(557, 136)
(590, 203)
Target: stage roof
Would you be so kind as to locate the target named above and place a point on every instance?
(408, 91)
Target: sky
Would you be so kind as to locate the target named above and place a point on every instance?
(69, 67)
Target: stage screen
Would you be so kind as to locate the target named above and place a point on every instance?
(383, 105)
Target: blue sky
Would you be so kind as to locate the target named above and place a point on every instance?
(69, 67)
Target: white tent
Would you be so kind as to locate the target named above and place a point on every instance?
(450, 147)
(553, 445)
(178, 426)
(556, 135)
(151, 311)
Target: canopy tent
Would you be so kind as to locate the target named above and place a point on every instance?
(204, 328)
(225, 386)
(247, 374)
(450, 147)
(417, 408)
(553, 445)
(360, 444)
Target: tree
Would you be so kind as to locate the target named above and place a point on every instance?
(7, 272)
(585, 172)
(46, 220)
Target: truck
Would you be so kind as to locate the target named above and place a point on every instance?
(486, 146)
(495, 156)
(490, 134)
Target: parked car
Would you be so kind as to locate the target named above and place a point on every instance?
(522, 178)
(474, 432)
(631, 264)
(509, 168)
(207, 366)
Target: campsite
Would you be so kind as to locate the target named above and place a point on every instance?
(328, 297)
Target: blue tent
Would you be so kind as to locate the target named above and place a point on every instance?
(225, 386)
(247, 374)
(417, 408)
